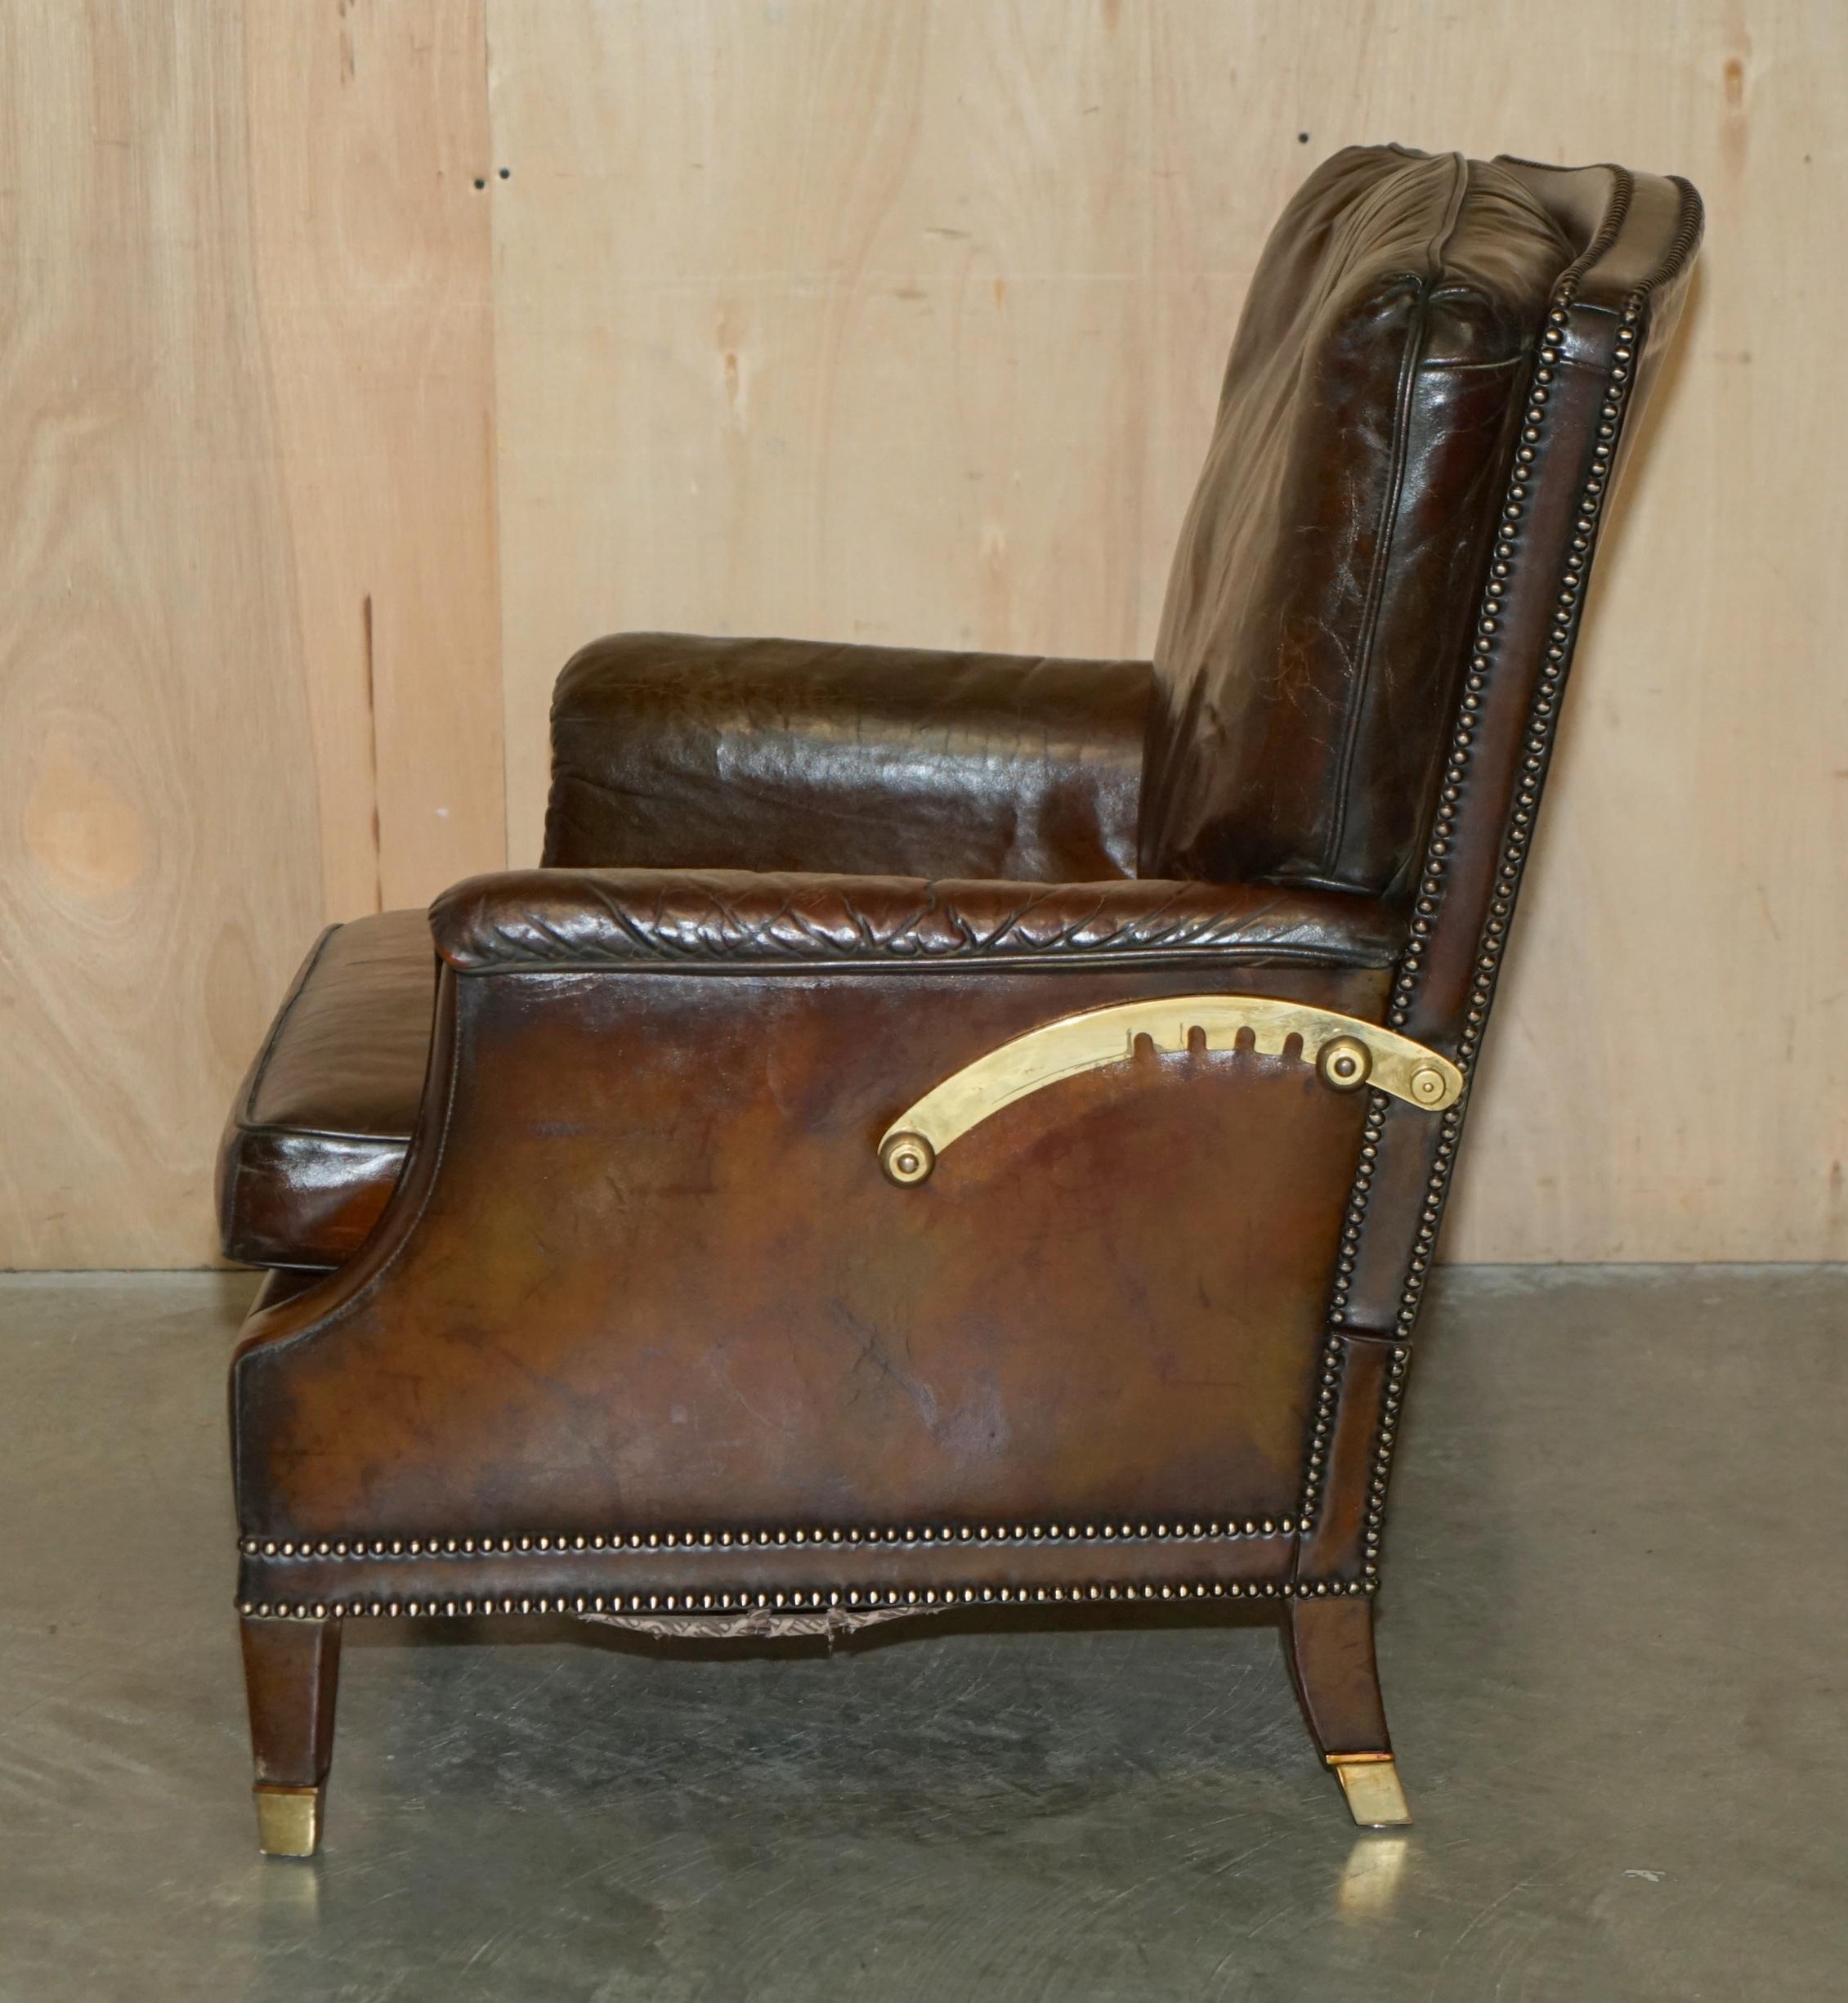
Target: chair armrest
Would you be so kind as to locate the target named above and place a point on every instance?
(652, 1157)
(676, 752)
(595, 920)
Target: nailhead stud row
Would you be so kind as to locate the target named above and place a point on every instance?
(1348, 1256)
(1432, 884)
(1328, 1392)
(1536, 748)
(1378, 1479)
(1535, 752)
(652, 1540)
(815, 1599)
(1483, 647)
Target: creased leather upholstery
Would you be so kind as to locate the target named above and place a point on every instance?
(318, 1140)
(317, 1137)
(1322, 597)
(556, 919)
(671, 751)
(659, 1327)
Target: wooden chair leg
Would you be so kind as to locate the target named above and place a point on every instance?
(1329, 1644)
(291, 1676)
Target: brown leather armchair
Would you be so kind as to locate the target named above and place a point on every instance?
(943, 1130)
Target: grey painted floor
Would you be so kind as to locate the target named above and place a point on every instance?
(1612, 1636)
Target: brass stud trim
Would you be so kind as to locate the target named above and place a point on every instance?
(817, 1599)
(1321, 1426)
(1385, 1437)
(368, 1550)
(1556, 660)
(1556, 653)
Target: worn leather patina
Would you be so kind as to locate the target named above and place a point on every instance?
(675, 752)
(591, 1293)
(317, 1138)
(1321, 603)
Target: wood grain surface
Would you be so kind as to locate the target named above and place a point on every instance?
(160, 852)
(368, 130)
(905, 322)
(889, 321)
(249, 656)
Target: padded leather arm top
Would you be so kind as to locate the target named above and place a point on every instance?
(560, 920)
(674, 752)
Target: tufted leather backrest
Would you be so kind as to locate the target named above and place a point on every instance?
(1322, 600)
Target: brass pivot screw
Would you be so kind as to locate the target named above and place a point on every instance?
(906, 1157)
(1427, 1085)
(1344, 1063)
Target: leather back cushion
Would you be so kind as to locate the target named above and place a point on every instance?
(1323, 597)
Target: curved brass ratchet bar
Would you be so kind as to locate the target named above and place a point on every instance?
(1348, 1053)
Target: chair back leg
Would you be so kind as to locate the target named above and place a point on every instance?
(1329, 1646)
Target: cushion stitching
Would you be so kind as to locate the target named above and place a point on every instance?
(1257, 952)
(1401, 437)
(260, 1071)
(276, 1130)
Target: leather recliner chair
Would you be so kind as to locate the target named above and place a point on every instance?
(945, 1131)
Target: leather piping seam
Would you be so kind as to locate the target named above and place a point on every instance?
(228, 1204)
(1693, 215)
(1555, 661)
(1597, 245)
(1536, 748)
(511, 1544)
(260, 1070)
(1385, 540)
(1499, 905)
(280, 1130)
(1439, 367)
(341, 1310)
(798, 1599)
(960, 961)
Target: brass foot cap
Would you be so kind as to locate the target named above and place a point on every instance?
(1370, 1781)
(288, 1821)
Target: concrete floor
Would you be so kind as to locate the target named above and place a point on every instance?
(1612, 1637)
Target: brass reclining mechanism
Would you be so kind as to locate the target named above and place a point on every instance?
(1347, 1053)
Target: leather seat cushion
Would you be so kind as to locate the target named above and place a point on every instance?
(320, 1127)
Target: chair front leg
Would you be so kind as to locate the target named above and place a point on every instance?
(1329, 1644)
(291, 1678)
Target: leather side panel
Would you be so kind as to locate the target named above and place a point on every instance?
(650, 1276)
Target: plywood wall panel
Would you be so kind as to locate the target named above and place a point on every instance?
(246, 346)
(899, 320)
(905, 322)
(367, 124)
(151, 898)
(834, 321)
